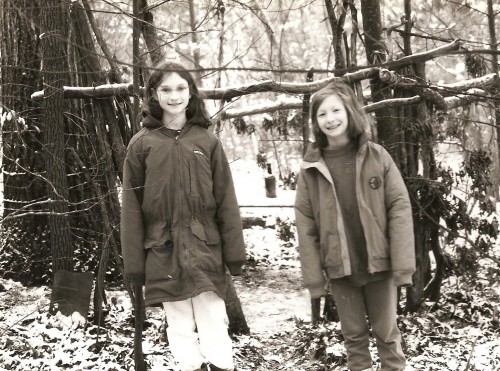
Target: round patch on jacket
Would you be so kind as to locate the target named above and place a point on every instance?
(375, 182)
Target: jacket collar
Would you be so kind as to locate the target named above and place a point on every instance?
(313, 158)
(149, 121)
(313, 153)
(319, 164)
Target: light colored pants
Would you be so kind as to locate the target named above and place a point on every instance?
(197, 331)
(378, 300)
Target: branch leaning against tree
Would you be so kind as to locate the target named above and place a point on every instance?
(360, 74)
(465, 92)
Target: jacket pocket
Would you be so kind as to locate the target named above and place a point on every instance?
(378, 244)
(156, 235)
(161, 263)
(331, 254)
(208, 249)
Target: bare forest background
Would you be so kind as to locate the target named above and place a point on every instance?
(72, 74)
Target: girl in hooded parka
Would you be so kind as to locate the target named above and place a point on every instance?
(180, 221)
(355, 227)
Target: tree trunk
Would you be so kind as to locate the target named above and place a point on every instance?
(306, 106)
(54, 25)
(153, 42)
(494, 65)
(194, 40)
(337, 26)
(22, 238)
(386, 130)
(98, 116)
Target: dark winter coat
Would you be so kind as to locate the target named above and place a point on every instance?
(180, 221)
(385, 212)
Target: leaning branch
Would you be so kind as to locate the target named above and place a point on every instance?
(470, 96)
(297, 104)
(100, 40)
(227, 93)
(392, 78)
(460, 100)
(287, 87)
(264, 86)
(483, 82)
(424, 56)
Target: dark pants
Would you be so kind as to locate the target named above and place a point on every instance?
(378, 300)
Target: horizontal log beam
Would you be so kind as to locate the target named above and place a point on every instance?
(226, 93)
(471, 96)
(229, 93)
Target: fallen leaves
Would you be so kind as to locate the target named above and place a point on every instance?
(461, 332)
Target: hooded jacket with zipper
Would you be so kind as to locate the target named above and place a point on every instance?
(180, 220)
(385, 213)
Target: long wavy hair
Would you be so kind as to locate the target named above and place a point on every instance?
(196, 112)
(358, 121)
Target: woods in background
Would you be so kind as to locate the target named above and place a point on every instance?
(71, 78)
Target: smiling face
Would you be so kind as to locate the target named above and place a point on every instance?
(173, 96)
(333, 121)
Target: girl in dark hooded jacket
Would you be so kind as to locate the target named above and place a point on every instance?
(180, 221)
(355, 227)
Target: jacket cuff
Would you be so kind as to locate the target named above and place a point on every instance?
(317, 291)
(235, 268)
(402, 278)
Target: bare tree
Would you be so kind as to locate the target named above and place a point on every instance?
(54, 24)
(21, 142)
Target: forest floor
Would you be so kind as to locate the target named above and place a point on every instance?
(460, 332)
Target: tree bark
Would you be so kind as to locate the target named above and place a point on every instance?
(306, 106)
(156, 49)
(54, 25)
(376, 50)
(337, 26)
(494, 65)
(194, 40)
(21, 146)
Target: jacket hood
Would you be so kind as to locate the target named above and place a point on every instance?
(313, 153)
(149, 121)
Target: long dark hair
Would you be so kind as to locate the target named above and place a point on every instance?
(196, 112)
(358, 120)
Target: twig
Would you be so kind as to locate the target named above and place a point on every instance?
(8, 328)
(470, 355)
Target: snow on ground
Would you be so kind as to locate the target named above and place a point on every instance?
(284, 288)
(461, 333)
(250, 190)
